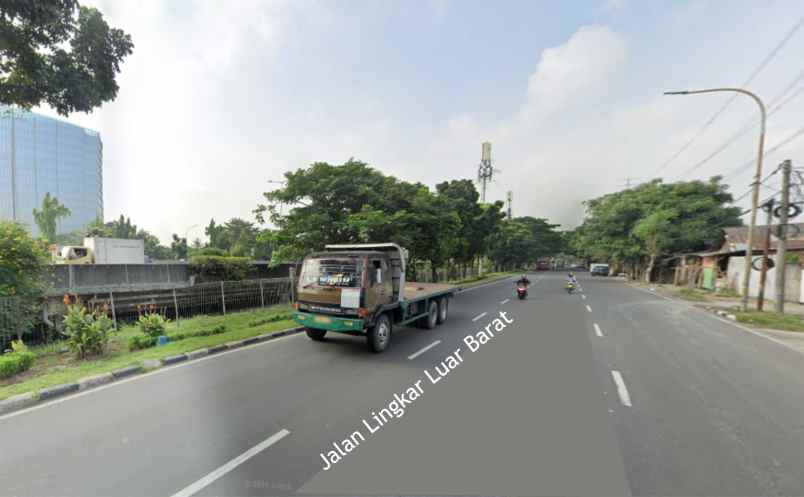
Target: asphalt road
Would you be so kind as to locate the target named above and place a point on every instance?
(611, 391)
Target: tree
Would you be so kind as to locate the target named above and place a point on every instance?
(23, 263)
(48, 218)
(59, 53)
(636, 226)
(179, 247)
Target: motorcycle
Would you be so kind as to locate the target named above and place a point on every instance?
(521, 292)
(570, 287)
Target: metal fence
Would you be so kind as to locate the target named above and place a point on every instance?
(125, 306)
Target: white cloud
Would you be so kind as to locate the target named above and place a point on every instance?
(573, 70)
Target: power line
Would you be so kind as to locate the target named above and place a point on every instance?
(769, 151)
(728, 102)
(749, 125)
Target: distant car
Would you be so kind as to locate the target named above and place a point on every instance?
(600, 270)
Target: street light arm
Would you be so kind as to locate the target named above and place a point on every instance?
(731, 90)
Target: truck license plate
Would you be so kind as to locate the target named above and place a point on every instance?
(322, 319)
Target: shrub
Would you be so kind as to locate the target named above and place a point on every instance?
(271, 319)
(217, 268)
(138, 342)
(152, 324)
(18, 346)
(15, 362)
(87, 331)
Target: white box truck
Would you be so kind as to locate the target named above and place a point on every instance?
(116, 250)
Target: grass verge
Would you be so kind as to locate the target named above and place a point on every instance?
(53, 367)
(771, 320)
(691, 294)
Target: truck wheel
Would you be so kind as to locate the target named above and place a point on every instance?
(315, 334)
(379, 335)
(431, 319)
(443, 306)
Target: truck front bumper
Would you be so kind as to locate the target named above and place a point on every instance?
(324, 322)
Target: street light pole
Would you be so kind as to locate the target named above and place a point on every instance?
(749, 249)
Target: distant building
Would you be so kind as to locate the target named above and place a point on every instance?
(40, 155)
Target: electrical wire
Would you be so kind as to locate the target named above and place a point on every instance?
(728, 102)
(750, 125)
(793, 136)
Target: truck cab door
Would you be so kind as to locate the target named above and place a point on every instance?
(380, 286)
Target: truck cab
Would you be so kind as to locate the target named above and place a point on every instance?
(361, 290)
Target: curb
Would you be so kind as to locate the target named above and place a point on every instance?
(28, 399)
(481, 283)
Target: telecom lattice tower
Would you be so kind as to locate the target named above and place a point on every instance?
(485, 170)
(510, 200)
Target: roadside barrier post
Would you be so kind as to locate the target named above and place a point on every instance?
(223, 299)
(262, 294)
(114, 315)
(176, 307)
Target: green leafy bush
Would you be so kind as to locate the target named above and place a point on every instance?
(271, 319)
(15, 362)
(87, 331)
(152, 324)
(217, 268)
(138, 342)
(18, 346)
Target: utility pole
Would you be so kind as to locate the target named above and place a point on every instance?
(485, 170)
(510, 199)
(763, 275)
(781, 247)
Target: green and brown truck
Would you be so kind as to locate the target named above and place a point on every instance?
(361, 290)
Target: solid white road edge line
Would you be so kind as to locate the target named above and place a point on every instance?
(422, 351)
(478, 316)
(237, 461)
(598, 331)
(622, 391)
(588, 308)
(505, 301)
(161, 370)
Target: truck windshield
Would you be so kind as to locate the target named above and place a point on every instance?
(331, 272)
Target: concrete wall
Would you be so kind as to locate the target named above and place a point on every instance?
(793, 280)
(117, 277)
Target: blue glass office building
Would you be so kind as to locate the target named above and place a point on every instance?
(40, 155)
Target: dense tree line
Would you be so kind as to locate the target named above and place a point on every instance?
(635, 228)
(354, 202)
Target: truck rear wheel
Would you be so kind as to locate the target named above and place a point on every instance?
(443, 307)
(379, 335)
(315, 334)
(431, 320)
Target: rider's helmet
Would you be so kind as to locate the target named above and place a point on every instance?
(570, 275)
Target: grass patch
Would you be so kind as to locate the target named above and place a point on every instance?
(727, 292)
(53, 368)
(771, 320)
(691, 294)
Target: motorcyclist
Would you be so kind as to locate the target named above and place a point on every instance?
(571, 279)
(523, 281)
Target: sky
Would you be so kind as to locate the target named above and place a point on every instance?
(218, 98)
